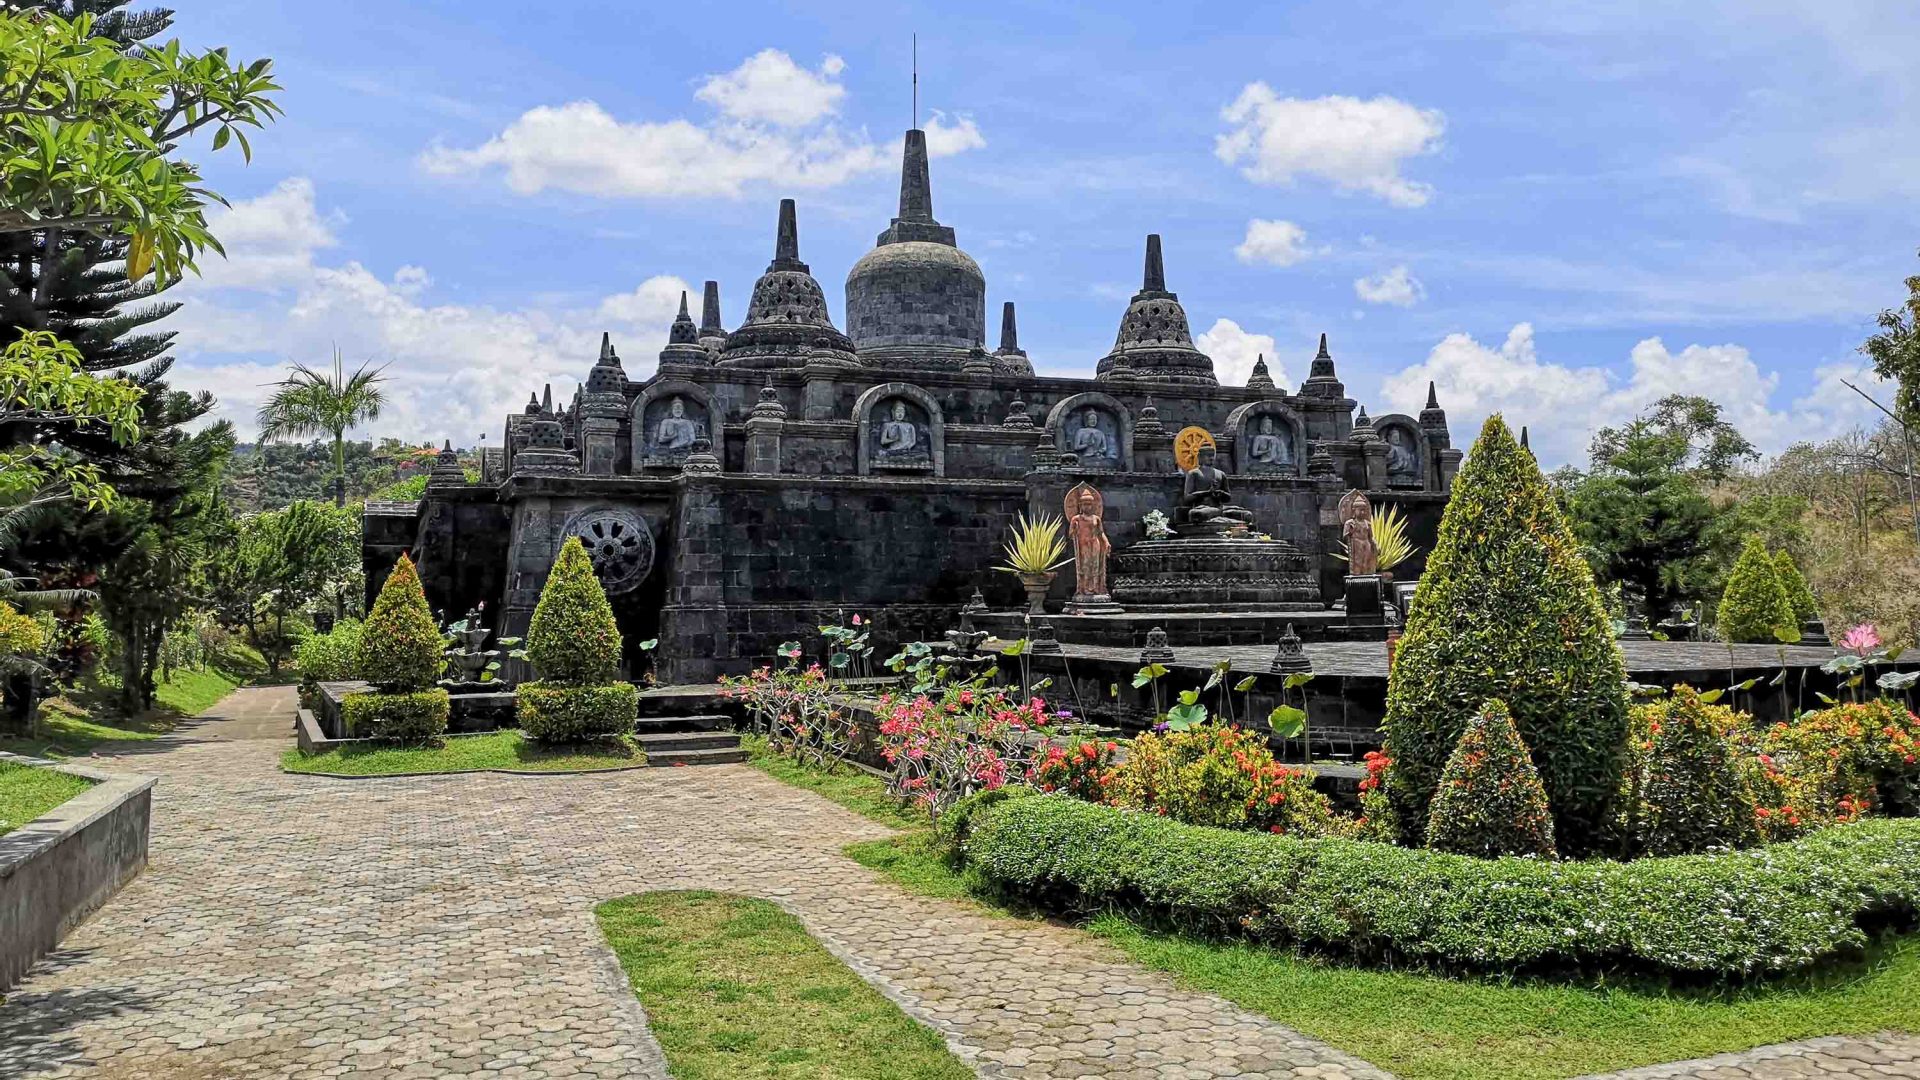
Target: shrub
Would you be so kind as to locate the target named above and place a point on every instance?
(970, 739)
(1490, 801)
(413, 716)
(1835, 765)
(576, 713)
(573, 639)
(400, 648)
(1507, 610)
(1079, 770)
(1377, 819)
(20, 634)
(1213, 774)
(1799, 597)
(1691, 782)
(328, 657)
(1761, 909)
(1755, 607)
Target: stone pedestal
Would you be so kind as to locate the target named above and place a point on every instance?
(1366, 600)
(599, 445)
(1084, 604)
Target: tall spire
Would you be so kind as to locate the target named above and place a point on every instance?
(1433, 399)
(1155, 278)
(1322, 380)
(786, 241)
(1009, 334)
(606, 339)
(683, 332)
(1010, 357)
(710, 311)
(546, 399)
(916, 188)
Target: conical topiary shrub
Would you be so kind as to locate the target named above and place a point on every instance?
(1805, 609)
(1693, 793)
(1507, 610)
(1490, 801)
(574, 645)
(401, 653)
(1755, 606)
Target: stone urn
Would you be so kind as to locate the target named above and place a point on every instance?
(1037, 591)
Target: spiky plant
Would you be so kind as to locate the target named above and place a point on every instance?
(1037, 547)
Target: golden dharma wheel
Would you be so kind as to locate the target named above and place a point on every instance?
(1188, 444)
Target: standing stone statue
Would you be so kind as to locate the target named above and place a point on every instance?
(1086, 529)
(1356, 533)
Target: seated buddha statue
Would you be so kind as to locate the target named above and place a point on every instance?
(1205, 500)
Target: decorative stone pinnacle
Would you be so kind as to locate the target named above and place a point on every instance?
(977, 603)
(1523, 439)
(606, 339)
(1017, 416)
(786, 240)
(710, 310)
(1323, 354)
(769, 407)
(1009, 333)
(1155, 277)
(1157, 650)
(1149, 421)
(533, 403)
(546, 400)
(916, 189)
(1289, 655)
(1261, 379)
(1433, 398)
(977, 363)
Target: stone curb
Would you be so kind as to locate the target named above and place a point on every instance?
(465, 772)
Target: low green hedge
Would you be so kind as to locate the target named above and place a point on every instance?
(1764, 909)
(410, 717)
(574, 713)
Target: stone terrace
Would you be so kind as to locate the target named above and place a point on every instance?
(300, 927)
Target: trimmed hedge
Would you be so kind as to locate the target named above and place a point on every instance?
(408, 717)
(1764, 909)
(573, 639)
(1755, 607)
(401, 648)
(1507, 610)
(1490, 801)
(576, 713)
(1692, 782)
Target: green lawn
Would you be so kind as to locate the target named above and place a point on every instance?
(1419, 1024)
(735, 988)
(27, 792)
(466, 753)
(78, 721)
(858, 791)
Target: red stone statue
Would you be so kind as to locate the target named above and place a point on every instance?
(1087, 529)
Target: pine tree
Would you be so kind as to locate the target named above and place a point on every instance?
(1798, 595)
(1507, 610)
(1755, 607)
(1489, 801)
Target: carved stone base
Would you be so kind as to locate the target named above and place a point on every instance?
(1084, 604)
(1366, 600)
(1221, 573)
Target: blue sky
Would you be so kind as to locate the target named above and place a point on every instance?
(1560, 210)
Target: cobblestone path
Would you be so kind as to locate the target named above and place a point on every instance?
(300, 927)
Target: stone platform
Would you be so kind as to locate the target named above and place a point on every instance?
(1199, 628)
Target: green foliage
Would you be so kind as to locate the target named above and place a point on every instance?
(330, 657)
(28, 791)
(42, 382)
(502, 750)
(310, 402)
(573, 639)
(400, 647)
(1037, 547)
(1798, 595)
(1213, 774)
(1691, 782)
(1837, 764)
(560, 714)
(1895, 350)
(1764, 909)
(404, 716)
(1755, 607)
(1508, 611)
(287, 561)
(1490, 801)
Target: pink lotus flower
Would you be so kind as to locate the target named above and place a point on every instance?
(1861, 639)
(856, 620)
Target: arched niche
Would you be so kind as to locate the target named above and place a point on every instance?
(1282, 452)
(900, 430)
(1409, 457)
(662, 440)
(1066, 422)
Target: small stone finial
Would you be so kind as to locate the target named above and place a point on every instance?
(1289, 655)
(916, 189)
(1433, 398)
(1046, 455)
(1157, 650)
(1261, 379)
(710, 310)
(683, 332)
(1320, 460)
(1009, 333)
(786, 240)
(533, 403)
(447, 448)
(702, 459)
(1155, 277)
(768, 407)
(546, 399)
(977, 362)
(1523, 439)
(977, 603)
(1045, 639)
(1149, 422)
(606, 339)
(1017, 416)
(1322, 381)
(1363, 420)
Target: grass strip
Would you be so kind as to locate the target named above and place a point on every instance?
(466, 753)
(27, 791)
(734, 987)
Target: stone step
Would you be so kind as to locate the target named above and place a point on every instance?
(706, 722)
(696, 757)
(658, 741)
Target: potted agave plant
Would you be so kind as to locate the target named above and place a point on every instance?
(1391, 547)
(1036, 552)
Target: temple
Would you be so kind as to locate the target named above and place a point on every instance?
(786, 473)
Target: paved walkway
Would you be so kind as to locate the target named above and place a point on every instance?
(299, 927)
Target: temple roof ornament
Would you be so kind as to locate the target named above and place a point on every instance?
(1433, 416)
(1010, 356)
(712, 335)
(787, 323)
(1322, 381)
(607, 376)
(1261, 379)
(684, 348)
(1154, 340)
(916, 298)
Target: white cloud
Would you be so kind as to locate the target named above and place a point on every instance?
(1356, 145)
(1234, 350)
(770, 88)
(774, 126)
(1276, 243)
(1395, 286)
(945, 139)
(455, 370)
(1562, 405)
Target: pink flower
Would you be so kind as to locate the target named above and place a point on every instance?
(856, 620)
(1861, 639)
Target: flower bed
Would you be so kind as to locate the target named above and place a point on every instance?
(1764, 909)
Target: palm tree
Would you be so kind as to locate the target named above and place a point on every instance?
(310, 402)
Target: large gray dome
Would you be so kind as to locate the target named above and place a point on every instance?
(916, 298)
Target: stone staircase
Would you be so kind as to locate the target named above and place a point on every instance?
(689, 740)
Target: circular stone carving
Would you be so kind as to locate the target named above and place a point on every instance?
(620, 545)
(1187, 444)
